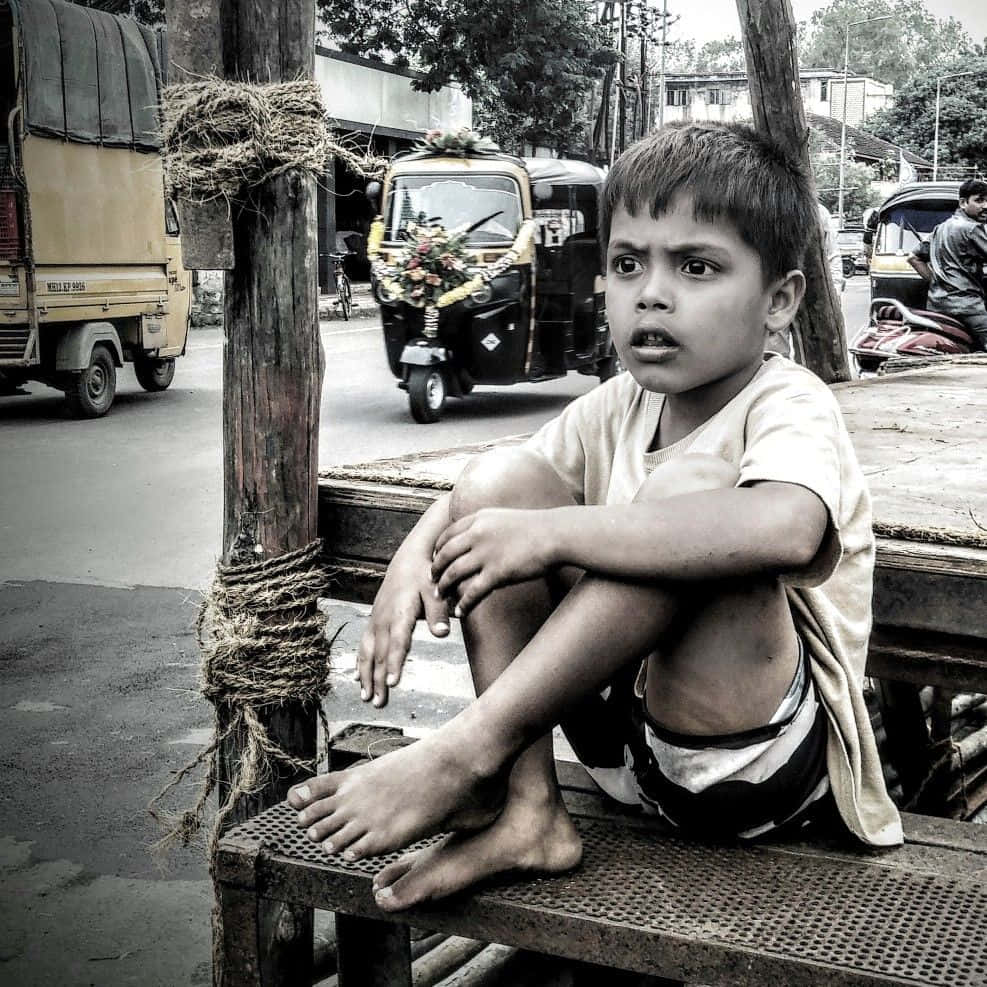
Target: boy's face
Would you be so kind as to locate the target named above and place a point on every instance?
(688, 304)
(975, 207)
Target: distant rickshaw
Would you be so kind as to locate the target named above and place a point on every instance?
(530, 305)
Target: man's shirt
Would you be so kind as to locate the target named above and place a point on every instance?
(956, 252)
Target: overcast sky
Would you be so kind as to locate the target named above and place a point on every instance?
(709, 20)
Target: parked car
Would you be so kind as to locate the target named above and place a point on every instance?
(854, 252)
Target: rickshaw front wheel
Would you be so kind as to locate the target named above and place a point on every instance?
(426, 394)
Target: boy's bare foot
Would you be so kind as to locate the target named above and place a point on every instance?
(405, 795)
(523, 837)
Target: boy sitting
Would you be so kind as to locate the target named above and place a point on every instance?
(677, 569)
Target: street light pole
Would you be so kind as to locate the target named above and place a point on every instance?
(935, 140)
(846, 62)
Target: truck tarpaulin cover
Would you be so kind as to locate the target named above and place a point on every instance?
(90, 76)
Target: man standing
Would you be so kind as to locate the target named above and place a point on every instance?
(952, 261)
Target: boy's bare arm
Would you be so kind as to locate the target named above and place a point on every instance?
(406, 594)
(716, 534)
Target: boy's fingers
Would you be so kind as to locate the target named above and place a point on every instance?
(471, 592)
(397, 651)
(450, 531)
(437, 615)
(458, 569)
(372, 645)
(379, 684)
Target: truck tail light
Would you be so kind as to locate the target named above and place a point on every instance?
(10, 234)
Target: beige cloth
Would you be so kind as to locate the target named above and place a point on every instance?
(784, 426)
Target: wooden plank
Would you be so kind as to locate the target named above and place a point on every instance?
(920, 437)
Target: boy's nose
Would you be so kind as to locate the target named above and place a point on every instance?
(655, 293)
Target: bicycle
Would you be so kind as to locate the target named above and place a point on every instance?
(344, 293)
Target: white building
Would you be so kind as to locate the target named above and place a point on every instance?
(725, 96)
(375, 103)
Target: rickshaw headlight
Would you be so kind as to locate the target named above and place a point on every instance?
(482, 295)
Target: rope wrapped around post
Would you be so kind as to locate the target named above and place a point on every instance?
(263, 644)
(221, 138)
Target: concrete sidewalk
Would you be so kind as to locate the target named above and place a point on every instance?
(102, 708)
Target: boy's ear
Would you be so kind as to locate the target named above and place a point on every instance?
(786, 296)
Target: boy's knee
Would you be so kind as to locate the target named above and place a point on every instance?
(514, 477)
(692, 473)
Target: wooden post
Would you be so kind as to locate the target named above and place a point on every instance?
(768, 28)
(272, 374)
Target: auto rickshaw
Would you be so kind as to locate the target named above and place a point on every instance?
(899, 324)
(895, 229)
(529, 305)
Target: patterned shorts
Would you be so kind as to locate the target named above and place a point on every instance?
(732, 786)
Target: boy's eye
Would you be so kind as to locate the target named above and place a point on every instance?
(697, 267)
(626, 264)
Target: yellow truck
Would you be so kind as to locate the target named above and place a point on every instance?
(90, 256)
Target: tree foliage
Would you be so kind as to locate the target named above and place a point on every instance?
(911, 42)
(150, 12)
(527, 64)
(858, 190)
(910, 122)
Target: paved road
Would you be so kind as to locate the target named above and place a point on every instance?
(136, 498)
(107, 530)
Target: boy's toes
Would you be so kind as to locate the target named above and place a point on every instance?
(316, 811)
(386, 876)
(300, 796)
(323, 828)
(343, 840)
(311, 790)
(366, 846)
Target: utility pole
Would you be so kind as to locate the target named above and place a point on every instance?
(622, 80)
(272, 378)
(661, 63)
(768, 29)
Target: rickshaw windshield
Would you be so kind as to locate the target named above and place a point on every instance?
(493, 201)
(902, 226)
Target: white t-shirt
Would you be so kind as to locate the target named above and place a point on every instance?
(786, 426)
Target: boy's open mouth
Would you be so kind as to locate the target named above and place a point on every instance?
(653, 345)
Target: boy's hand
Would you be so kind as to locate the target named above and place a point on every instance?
(406, 593)
(493, 547)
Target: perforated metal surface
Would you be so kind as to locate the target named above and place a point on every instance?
(865, 914)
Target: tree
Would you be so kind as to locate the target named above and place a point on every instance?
(912, 42)
(910, 122)
(150, 12)
(858, 192)
(529, 65)
(726, 55)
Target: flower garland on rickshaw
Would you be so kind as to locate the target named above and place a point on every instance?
(434, 268)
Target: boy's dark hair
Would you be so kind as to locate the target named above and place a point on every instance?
(733, 174)
(971, 187)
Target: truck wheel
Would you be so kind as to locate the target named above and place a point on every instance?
(155, 375)
(426, 394)
(91, 391)
(848, 267)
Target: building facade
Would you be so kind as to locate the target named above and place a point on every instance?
(725, 96)
(375, 105)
